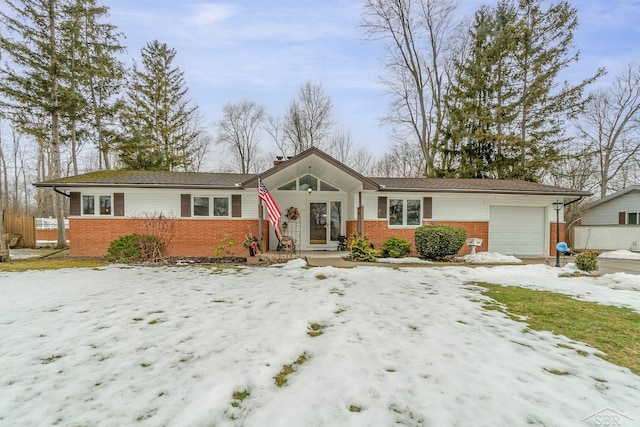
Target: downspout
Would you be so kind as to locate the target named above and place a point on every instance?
(360, 215)
(61, 192)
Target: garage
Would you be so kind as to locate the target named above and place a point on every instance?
(517, 230)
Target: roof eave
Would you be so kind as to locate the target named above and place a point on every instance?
(133, 185)
(477, 190)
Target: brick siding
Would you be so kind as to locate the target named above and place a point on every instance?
(91, 237)
(378, 232)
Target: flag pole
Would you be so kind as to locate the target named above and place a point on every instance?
(260, 214)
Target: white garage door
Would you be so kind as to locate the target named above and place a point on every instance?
(516, 230)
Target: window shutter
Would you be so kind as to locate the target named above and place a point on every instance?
(622, 218)
(382, 207)
(236, 205)
(74, 203)
(427, 208)
(185, 205)
(118, 204)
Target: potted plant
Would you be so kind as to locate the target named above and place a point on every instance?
(254, 244)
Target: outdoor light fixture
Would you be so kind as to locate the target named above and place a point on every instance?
(309, 190)
(557, 206)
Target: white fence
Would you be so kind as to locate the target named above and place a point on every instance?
(607, 237)
(50, 223)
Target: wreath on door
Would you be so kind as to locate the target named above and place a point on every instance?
(293, 213)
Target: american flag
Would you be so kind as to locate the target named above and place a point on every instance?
(272, 208)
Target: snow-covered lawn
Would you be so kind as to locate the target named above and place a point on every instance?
(154, 346)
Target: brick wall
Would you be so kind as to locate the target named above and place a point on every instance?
(91, 237)
(378, 232)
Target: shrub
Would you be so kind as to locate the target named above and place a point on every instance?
(395, 247)
(587, 261)
(439, 241)
(361, 249)
(134, 248)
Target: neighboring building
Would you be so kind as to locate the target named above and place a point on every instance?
(512, 217)
(611, 223)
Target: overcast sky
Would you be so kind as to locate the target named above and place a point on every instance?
(265, 50)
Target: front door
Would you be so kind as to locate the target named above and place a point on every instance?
(318, 223)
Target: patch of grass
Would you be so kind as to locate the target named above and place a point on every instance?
(145, 365)
(315, 330)
(613, 330)
(557, 372)
(49, 264)
(238, 397)
(281, 379)
(50, 359)
(321, 277)
(354, 408)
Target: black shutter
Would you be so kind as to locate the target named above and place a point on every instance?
(236, 206)
(74, 203)
(118, 204)
(382, 207)
(427, 208)
(185, 205)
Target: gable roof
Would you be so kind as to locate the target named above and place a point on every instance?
(614, 196)
(299, 165)
(304, 159)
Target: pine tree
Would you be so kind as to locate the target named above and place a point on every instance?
(94, 44)
(161, 126)
(34, 79)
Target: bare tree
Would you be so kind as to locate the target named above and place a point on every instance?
(308, 121)
(342, 148)
(610, 128)
(404, 160)
(417, 32)
(239, 130)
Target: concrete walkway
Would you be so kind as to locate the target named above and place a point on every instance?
(336, 259)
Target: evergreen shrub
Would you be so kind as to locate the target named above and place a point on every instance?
(361, 249)
(587, 261)
(439, 241)
(395, 247)
(134, 248)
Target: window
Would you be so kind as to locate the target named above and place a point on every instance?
(89, 205)
(105, 205)
(220, 206)
(289, 186)
(404, 212)
(200, 206)
(307, 182)
(633, 218)
(203, 206)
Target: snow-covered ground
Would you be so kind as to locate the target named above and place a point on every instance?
(156, 346)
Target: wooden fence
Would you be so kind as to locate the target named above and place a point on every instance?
(22, 225)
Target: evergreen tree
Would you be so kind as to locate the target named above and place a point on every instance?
(98, 75)
(160, 125)
(506, 110)
(34, 80)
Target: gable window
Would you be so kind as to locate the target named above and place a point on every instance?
(308, 182)
(211, 206)
(304, 183)
(89, 205)
(404, 212)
